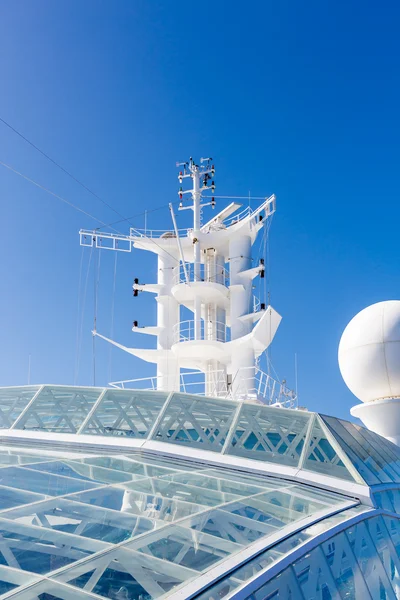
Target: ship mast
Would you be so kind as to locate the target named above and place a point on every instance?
(209, 270)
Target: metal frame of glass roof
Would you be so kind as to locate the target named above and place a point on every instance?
(99, 523)
(291, 442)
(130, 494)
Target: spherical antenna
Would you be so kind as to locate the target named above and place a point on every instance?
(369, 352)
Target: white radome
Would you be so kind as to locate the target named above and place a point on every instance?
(369, 352)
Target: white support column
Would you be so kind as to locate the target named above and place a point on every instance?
(215, 375)
(220, 312)
(242, 367)
(197, 250)
(167, 320)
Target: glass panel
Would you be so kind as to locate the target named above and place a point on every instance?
(50, 590)
(369, 562)
(276, 508)
(263, 560)
(388, 461)
(214, 483)
(386, 551)
(270, 434)
(13, 400)
(362, 455)
(184, 547)
(384, 500)
(315, 577)
(265, 482)
(83, 520)
(123, 574)
(135, 469)
(11, 579)
(394, 495)
(129, 413)
(59, 409)
(344, 567)
(178, 464)
(79, 470)
(393, 527)
(283, 587)
(220, 589)
(230, 526)
(179, 491)
(11, 457)
(42, 483)
(389, 452)
(321, 457)
(41, 550)
(266, 558)
(153, 506)
(9, 498)
(196, 421)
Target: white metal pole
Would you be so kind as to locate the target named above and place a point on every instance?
(29, 369)
(178, 241)
(167, 321)
(197, 249)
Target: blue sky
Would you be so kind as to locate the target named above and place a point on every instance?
(299, 99)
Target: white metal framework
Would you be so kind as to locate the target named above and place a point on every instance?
(209, 270)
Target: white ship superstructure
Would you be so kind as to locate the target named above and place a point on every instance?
(209, 270)
(136, 494)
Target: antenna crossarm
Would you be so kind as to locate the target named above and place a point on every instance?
(105, 240)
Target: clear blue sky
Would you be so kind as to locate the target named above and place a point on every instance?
(299, 99)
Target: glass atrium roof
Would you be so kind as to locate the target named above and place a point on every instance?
(148, 495)
(291, 438)
(135, 527)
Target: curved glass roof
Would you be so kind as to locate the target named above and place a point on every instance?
(134, 527)
(292, 438)
(160, 519)
(362, 561)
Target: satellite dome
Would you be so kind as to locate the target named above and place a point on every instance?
(369, 352)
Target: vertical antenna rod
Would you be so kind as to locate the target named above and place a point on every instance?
(196, 172)
(29, 369)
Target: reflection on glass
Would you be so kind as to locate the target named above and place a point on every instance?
(41, 550)
(213, 483)
(190, 549)
(229, 526)
(10, 497)
(273, 435)
(179, 491)
(135, 469)
(59, 409)
(196, 421)
(123, 574)
(83, 520)
(12, 403)
(129, 413)
(263, 560)
(153, 506)
(321, 456)
(367, 461)
(44, 483)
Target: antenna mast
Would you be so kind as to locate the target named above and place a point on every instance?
(200, 176)
(209, 270)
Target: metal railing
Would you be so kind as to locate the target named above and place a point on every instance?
(238, 216)
(219, 275)
(157, 233)
(209, 330)
(249, 384)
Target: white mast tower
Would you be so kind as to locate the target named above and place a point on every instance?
(209, 270)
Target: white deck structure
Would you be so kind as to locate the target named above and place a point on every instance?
(208, 269)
